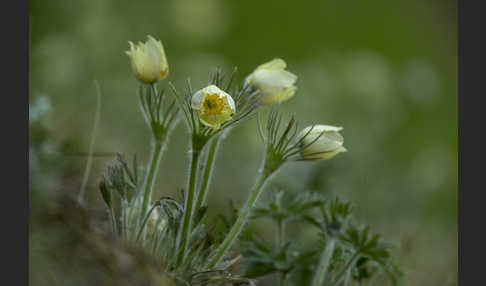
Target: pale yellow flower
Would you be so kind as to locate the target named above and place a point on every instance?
(148, 60)
(213, 106)
(321, 142)
(273, 81)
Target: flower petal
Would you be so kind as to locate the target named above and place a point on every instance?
(197, 99)
(275, 64)
(321, 142)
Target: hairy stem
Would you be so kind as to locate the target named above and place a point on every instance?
(347, 278)
(124, 224)
(280, 233)
(281, 278)
(113, 220)
(232, 236)
(184, 233)
(345, 269)
(151, 175)
(324, 263)
(208, 170)
(280, 242)
(91, 144)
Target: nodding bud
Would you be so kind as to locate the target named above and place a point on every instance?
(321, 142)
(148, 60)
(154, 224)
(274, 83)
(213, 106)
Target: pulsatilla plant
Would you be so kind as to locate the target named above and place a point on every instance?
(177, 233)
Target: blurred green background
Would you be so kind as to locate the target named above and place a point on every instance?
(384, 70)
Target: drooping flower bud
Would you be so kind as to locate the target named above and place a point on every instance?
(213, 106)
(105, 193)
(273, 81)
(154, 223)
(321, 142)
(148, 60)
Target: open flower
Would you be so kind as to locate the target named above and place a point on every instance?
(213, 106)
(148, 60)
(321, 142)
(273, 81)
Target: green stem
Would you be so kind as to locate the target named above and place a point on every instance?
(280, 233)
(280, 242)
(124, 228)
(208, 170)
(240, 221)
(347, 278)
(324, 263)
(184, 234)
(113, 220)
(133, 220)
(91, 144)
(345, 268)
(151, 175)
(281, 278)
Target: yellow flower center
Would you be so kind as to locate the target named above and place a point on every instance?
(212, 104)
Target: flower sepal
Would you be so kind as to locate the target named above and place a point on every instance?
(160, 113)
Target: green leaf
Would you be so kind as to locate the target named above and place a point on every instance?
(199, 215)
(105, 193)
(259, 270)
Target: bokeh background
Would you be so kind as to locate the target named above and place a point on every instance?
(384, 70)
